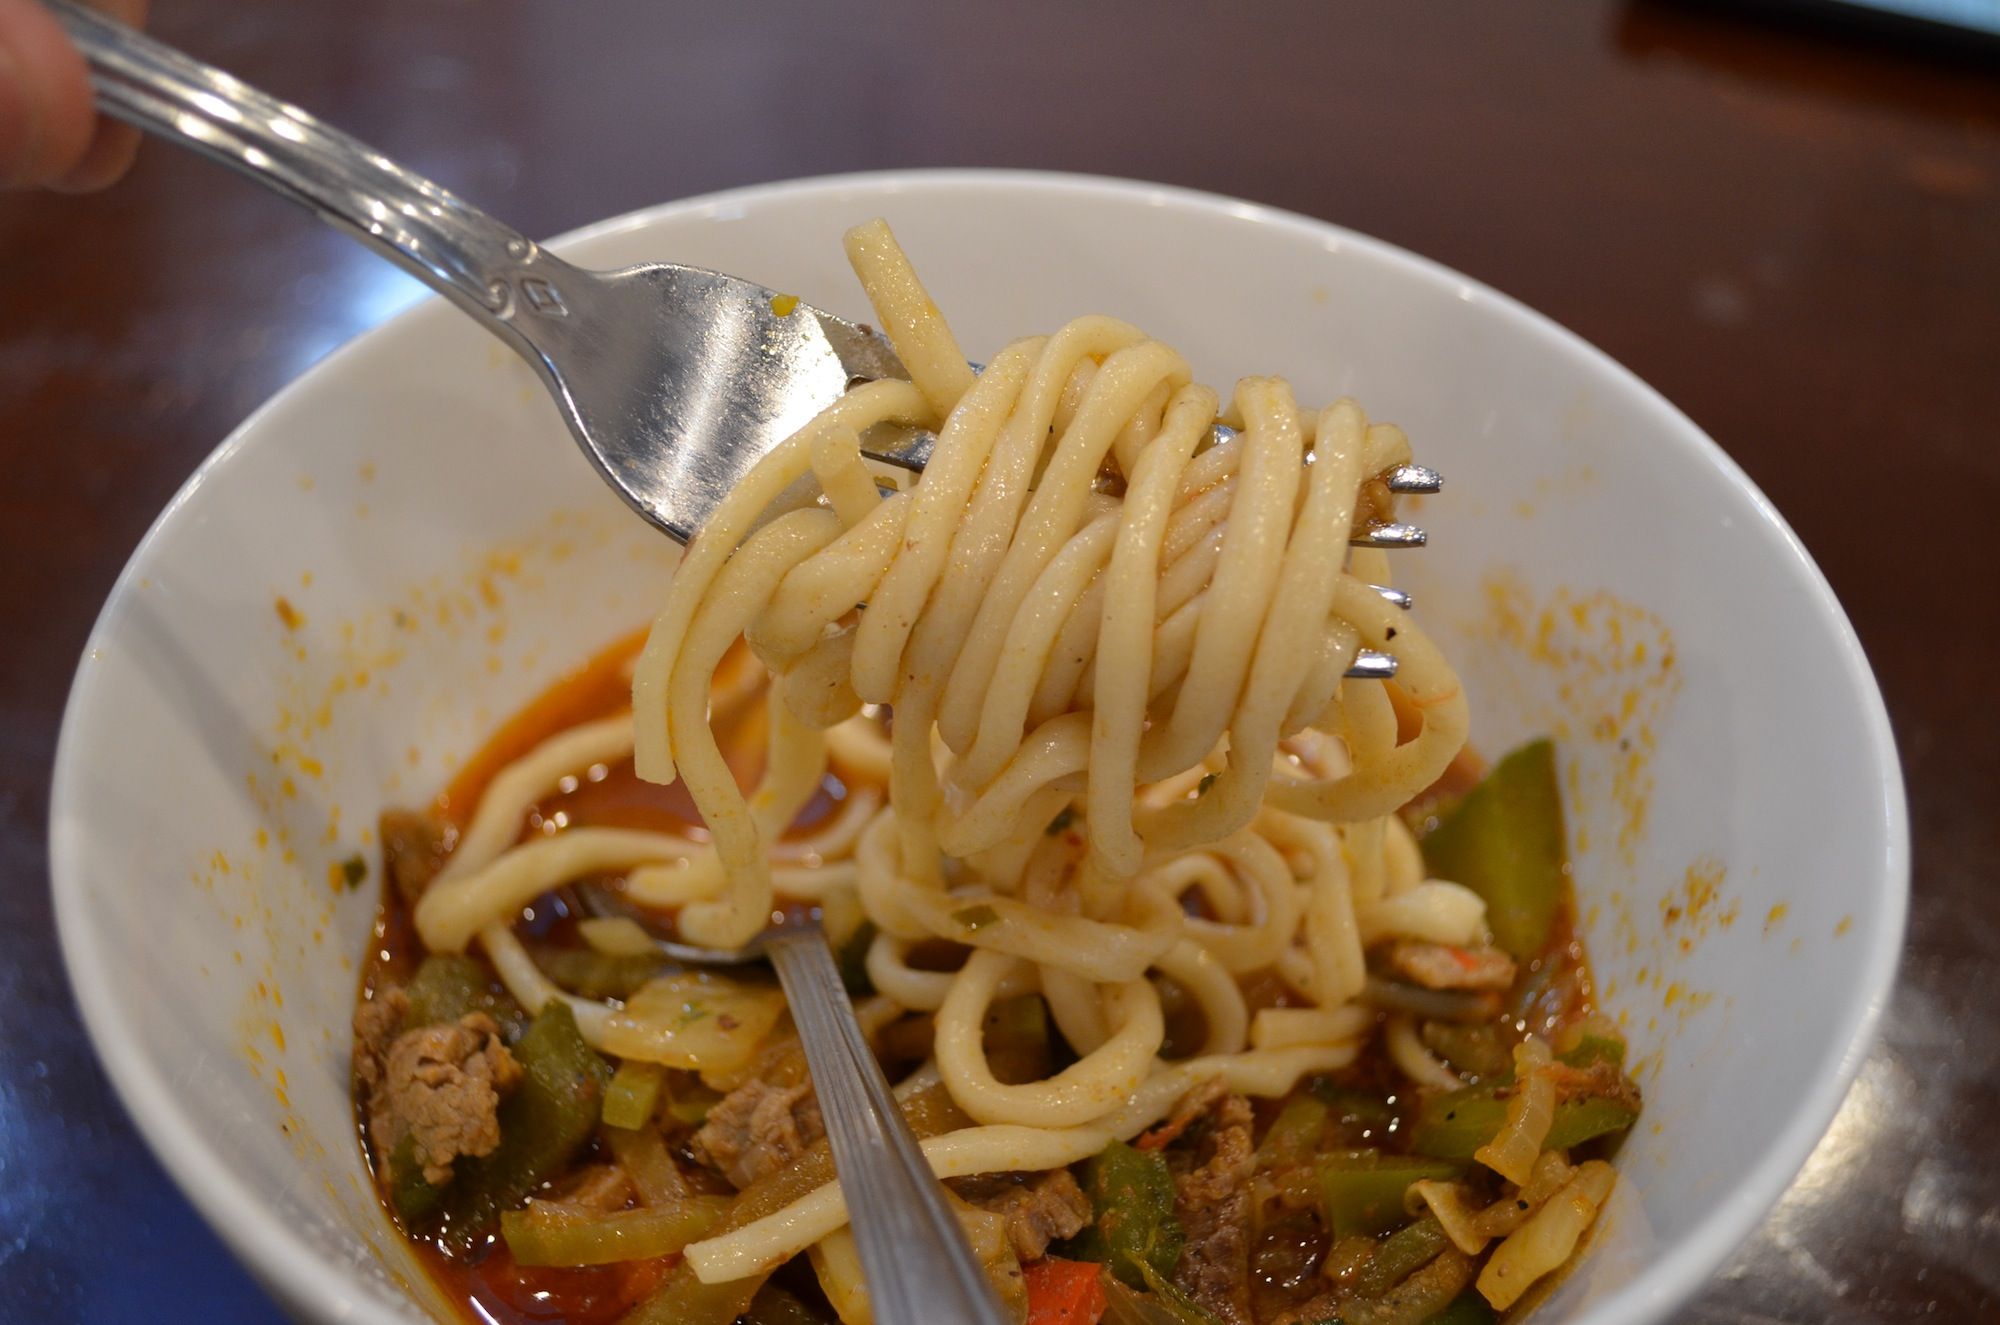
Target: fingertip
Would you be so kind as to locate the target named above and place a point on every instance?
(109, 156)
(48, 114)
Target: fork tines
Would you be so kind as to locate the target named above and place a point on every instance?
(1412, 479)
(1371, 664)
(1390, 533)
(1403, 480)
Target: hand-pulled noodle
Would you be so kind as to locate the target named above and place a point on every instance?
(1083, 678)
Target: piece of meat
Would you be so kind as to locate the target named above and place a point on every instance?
(1192, 1105)
(1600, 1080)
(1322, 1306)
(599, 1187)
(1212, 1201)
(758, 1128)
(415, 847)
(1039, 1208)
(1441, 966)
(377, 1022)
(439, 1086)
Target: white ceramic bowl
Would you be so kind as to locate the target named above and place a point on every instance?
(403, 547)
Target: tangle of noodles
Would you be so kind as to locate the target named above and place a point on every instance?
(1084, 679)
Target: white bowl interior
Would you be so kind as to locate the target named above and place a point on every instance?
(1597, 569)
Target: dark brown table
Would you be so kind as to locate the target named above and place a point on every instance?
(1794, 233)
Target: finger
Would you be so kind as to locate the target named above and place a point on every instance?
(46, 111)
(104, 162)
(113, 145)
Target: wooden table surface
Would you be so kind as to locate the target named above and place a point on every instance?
(1795, 234)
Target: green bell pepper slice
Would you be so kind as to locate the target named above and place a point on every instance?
(1135, 1228)
(538, 1235)
(551, 1113)
(1468, 1308)
(1401, 1254)
(1295, 1133)
(448, 986)
(1453, 1126)
(1361, 1193)
(1505, 842)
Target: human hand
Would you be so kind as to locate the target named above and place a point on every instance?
(50, 132)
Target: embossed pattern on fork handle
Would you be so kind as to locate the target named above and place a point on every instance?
(485, 267)
(920, 1268)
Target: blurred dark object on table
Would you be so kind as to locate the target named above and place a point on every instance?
(1948, 29)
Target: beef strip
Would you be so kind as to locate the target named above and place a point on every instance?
(758, 1128)
(439, 1086)
(1198, 1101)
(377, 1022)
(1439, 966)
(1600, 1080)
(1212, 1179)
(1040, 1208)
(599, 1187)
(415, 847)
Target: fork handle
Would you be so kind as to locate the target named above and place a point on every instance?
(484, 267)
(920, 1268)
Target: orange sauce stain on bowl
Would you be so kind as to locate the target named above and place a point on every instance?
(281, 890)
(1616, 675)
(1602, 675)
(1698, 907)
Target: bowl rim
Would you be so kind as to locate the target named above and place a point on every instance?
(282, 1261)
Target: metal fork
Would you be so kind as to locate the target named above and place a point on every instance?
(912, 1247)
(674, 380)
(896, 1207)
